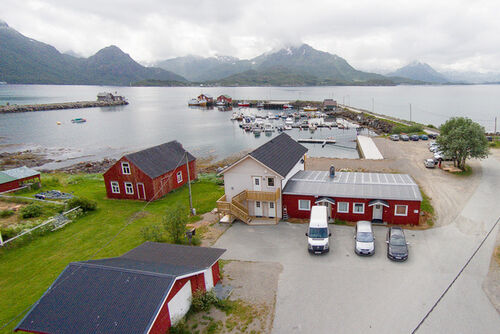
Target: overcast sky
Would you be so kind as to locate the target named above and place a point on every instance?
(370, 35)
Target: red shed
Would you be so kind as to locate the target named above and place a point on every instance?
(226, 99)
(12, 179)
(143, 291)
(206, 97)
(151, 173)
(376, 197)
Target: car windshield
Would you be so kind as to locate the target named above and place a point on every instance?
(364, 237)
(397, 241)
(318, 232)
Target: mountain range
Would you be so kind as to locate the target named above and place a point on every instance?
(24, 60)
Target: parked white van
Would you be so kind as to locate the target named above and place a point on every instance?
(318, 234)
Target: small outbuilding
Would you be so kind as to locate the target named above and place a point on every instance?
(146, 290)
(226, 99)
(376, 197)
(206, 97)
(329, 105)
(151, 173)
(16, 178)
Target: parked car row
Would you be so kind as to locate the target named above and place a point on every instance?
(405, 137)
(318, 237)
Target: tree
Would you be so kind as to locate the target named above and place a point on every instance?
(175, 221)
(462, 139)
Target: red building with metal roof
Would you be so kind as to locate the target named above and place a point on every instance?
(151, 173)
(16, 178)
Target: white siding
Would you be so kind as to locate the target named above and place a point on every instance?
(209, 279)
(298, 167)
(180, 303)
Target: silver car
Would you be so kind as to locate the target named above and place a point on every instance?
(364, 238)
(429, 163)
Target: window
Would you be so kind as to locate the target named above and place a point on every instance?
(358, 208)
(257, 204)
(401, 210)
(304, 205)
(343, 207)
(271, 205)
(179, 176)
(257, 181)
(125, 168)
(115, 187)
(270, 181)
(129, 189)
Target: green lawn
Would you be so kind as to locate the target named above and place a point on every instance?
(28, 270)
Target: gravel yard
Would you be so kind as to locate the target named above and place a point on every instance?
(448, 192)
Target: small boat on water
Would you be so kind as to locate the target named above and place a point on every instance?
(58, 123)
(260, 105)
(243, 104)
(287, 106)
(310, 108)
(268, 127)
(78, 120)
(271, 116)
(287, 127)
(193, 103)
(289, 121)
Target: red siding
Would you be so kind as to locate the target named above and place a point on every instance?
(216, 273)
(291, 202)
(162, 322)
(18, 183)
(154, 189)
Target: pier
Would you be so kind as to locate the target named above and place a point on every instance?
(58, 106)
(316, 141)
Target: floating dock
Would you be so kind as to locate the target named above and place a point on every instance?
(316, 141)
(58, 106)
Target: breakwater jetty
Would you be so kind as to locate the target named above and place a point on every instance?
(57, 106)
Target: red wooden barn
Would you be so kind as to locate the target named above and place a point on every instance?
(226, 99)
(151, 173)
(16, 178)
(376, 197)
(145, 290)
(206, 97)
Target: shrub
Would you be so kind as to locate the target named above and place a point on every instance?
(31, 210)
(84, 203)
(203, 300)
(153, 233)
(175, 222)
(6, 213)
(400, 128)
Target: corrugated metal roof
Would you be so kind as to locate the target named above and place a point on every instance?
(354, 185)
(4, 178)
(21, 172)
(158, 160)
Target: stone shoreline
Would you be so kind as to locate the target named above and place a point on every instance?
(58, 106)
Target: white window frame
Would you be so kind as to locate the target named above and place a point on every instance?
(338, 207)
(179, 176)
(396, 210)
(358, 212)
(113, 185)
(270, 186)
(126, 168)
(131, 188)
(308, 204)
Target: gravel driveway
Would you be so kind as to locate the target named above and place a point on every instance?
(343, 293)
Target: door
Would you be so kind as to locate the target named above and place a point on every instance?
(377, 211)
(257, 183)
(209, 279)
(258, 208)
(272, 210)
(329, 209)
(141, 193)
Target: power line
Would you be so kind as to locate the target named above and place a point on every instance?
(456, 277)
(130, 221)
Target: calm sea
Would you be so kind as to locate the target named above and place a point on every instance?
(159, 114)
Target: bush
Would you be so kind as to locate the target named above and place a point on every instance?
(153, 233)
(203, 300)
(175, 222)
(31, 210)
(84, 203)
(6, 213)
(400, 128)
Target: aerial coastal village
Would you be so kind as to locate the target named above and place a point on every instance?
(230, 181)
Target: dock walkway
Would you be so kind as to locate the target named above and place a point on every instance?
(368, 149)
(57, 106)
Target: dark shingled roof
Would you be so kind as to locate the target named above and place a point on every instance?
(158, 160)
(280, 154)
(115, 295)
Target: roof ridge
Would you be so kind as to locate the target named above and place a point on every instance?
(133, 271)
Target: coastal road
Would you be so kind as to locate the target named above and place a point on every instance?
(340, 292)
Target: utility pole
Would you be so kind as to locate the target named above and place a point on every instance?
(189, 185)
(410, 112)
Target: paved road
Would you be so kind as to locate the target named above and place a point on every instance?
(343, 293)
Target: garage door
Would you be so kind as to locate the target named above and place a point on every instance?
(209, 279)
(179, 305)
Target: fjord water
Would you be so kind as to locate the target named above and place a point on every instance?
(158, 114)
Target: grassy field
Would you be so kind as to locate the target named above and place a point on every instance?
(30, 268)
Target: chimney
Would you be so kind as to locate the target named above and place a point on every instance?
(332, 171)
